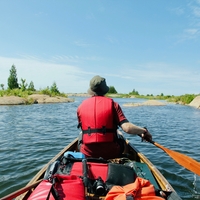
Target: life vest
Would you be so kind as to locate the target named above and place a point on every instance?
(97, 120)
(141, 189)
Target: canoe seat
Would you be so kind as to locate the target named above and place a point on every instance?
(142, 170)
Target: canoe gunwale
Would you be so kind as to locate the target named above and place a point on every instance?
(40, 174)
(164, 184)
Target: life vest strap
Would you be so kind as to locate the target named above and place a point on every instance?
(98, 130)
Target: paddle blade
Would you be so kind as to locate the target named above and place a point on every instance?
(183, 160)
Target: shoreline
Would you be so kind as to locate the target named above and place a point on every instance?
(33, 99)
(42, 99)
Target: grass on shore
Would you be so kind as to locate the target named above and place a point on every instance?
(183, 99)
(20, 93)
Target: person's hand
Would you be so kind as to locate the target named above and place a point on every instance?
(146, 136)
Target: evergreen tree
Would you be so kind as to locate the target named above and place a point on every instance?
(134, 92)
(31, 86)
(54, 88)
(112, 90)
(23, 84)
(2, 86)
(12, 79)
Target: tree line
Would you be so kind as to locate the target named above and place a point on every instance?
(24, 89)
(23, 86)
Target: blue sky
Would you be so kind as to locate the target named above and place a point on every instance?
(151, 46)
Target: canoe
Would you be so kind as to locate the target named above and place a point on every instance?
(69, 175)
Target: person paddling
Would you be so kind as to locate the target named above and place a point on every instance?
(99, 118)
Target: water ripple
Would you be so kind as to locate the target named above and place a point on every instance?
(31, 135)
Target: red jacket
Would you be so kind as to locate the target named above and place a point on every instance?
(97, 120)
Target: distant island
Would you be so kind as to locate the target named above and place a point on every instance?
(24, 93)
(44, 98)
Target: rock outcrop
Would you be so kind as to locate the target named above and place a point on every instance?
(39, 98)
(78, 95)
(146, 103)
(12, 100)
(33, 99)
(195, 102)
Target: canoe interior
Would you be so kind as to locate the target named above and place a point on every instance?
(130, 152)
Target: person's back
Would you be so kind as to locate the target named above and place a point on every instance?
(97, 120)
(99, 128)
(99, 117)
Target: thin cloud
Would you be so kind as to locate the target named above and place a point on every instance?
(43, 73)
(189, 34)
(192, 22)
(90, 16)
(82, 43)
(178, 11)
(191, 31)
(146, 78)
(112, 40)
(73, 59)
(196, 11)
(63, 58)
(40, 14)
(156, 78)
(162, 72)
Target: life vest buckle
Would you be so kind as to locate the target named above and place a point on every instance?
(104, 130)
(89, 130)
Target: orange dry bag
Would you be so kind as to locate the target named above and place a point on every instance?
(141, 189)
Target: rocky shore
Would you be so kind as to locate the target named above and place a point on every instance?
(195, 102)
(41, 99)
(33, 99)
(146, 103)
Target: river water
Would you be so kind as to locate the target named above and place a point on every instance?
(30, 135)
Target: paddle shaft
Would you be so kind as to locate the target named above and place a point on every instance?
(183, 160)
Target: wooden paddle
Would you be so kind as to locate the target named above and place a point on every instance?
(183, 160)
(21, 191)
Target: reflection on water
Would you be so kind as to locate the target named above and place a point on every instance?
(31, 135)
(196, 189)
